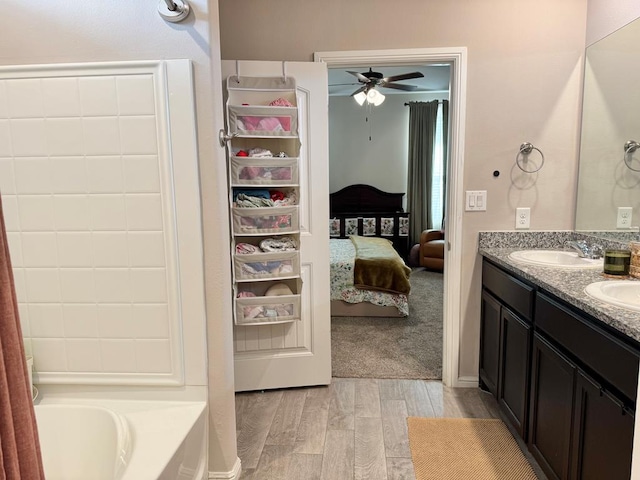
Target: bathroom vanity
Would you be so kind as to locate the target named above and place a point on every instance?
(563, 367)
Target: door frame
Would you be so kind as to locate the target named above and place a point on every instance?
(457, 58)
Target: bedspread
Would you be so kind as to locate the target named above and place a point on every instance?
(379, 267)
(342, 263)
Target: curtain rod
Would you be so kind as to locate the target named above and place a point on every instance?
(406, 104)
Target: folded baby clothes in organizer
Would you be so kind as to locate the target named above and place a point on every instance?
(280, 244)
(246, 248)
(260, 152)
(252, 192)
(281, 102)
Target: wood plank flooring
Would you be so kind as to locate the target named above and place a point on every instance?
(354, 429)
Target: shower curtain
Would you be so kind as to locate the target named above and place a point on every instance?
(20, 453)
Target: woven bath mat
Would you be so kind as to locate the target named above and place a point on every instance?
(465, 448)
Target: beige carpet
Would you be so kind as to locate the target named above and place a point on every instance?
(465, 448)
(380, 347)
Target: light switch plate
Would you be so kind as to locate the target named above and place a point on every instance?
(523, 217)
(476, 200)
(624, 217)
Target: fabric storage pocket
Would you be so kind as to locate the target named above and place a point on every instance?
(259, 120)
(264, 171)
(261, 220)
(264, 266)
(263, 310)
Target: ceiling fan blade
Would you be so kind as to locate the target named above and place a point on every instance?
(399, 86)
(361, 89)
(359, 76)
(403, 76)
(342, 84)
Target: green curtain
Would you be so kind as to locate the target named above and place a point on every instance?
(445, 155)
(422, 135)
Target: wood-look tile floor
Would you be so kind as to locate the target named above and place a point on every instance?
(353, 429)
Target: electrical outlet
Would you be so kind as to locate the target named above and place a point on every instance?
(624, 217)
(523, 216)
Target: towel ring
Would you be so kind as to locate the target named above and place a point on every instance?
(630, 146)
(525, 149)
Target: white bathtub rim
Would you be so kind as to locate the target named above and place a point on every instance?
(123, 432)
(153, 443)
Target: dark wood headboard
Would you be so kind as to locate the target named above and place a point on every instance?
(364, 198)
(355, 208)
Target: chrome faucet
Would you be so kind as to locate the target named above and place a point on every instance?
(584, 250)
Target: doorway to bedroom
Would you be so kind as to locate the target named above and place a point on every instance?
(384, 334)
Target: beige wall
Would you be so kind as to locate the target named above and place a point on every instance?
(523, 84)
(606, 16)
(65, 31)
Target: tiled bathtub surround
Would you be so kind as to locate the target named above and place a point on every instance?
(567, 285)
(86, 188)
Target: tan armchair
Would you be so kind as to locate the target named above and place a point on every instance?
(432, 250)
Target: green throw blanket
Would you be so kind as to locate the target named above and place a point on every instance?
(379, 267)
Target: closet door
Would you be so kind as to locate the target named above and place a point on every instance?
(297, 353)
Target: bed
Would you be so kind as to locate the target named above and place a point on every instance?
(364, 211)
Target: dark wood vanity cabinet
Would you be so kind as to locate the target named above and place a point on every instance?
(566, 383)
(505, 342)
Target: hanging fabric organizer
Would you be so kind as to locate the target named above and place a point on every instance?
(264, 149)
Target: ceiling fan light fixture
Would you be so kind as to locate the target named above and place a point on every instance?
(360, 98)
(377, 98)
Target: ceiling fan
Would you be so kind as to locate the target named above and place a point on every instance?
(371, 79)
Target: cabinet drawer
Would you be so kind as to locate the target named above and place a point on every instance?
(511, 291)
(597, 349)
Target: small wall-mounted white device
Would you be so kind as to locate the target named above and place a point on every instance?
(523, 217)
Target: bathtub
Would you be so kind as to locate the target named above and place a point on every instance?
(122, 439)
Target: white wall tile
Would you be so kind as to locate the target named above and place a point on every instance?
(43, 285)
(98, 96)
(80, 320)
(5, 139)
(45, 320)
(110, 249)
(139, 135)
(49, 355)
(150, 321)
(10, 209)
(69, 175)
(141, 174)
(104, 174)
(74, 249)
(15, 249)
(149, 285)
(39, 249)
(146, 249)
(32, 175)
(153, 356)
(36, 213)
(101, 136)
(19, 279)
(136, 95)
(144, 211)
(71, 212)
(77, 285)
(83, 355)
(115, 321)
(24, 98)
(28, 137)
(118, 355)
(64, 136)
(61, 97)
(4, 106)
(23, 312)
(113, 285)
(107, 212)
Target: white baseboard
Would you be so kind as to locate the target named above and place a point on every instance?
(233, 474)
(470, 381)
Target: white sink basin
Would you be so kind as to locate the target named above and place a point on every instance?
(555, 258)
(621, 293)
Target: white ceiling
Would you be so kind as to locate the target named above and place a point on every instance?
(436, 78)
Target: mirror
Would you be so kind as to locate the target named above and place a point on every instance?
(610, 117)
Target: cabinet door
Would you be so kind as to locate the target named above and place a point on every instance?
(514, 369)
(552, 388)
(490, 342)
(602, 434)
